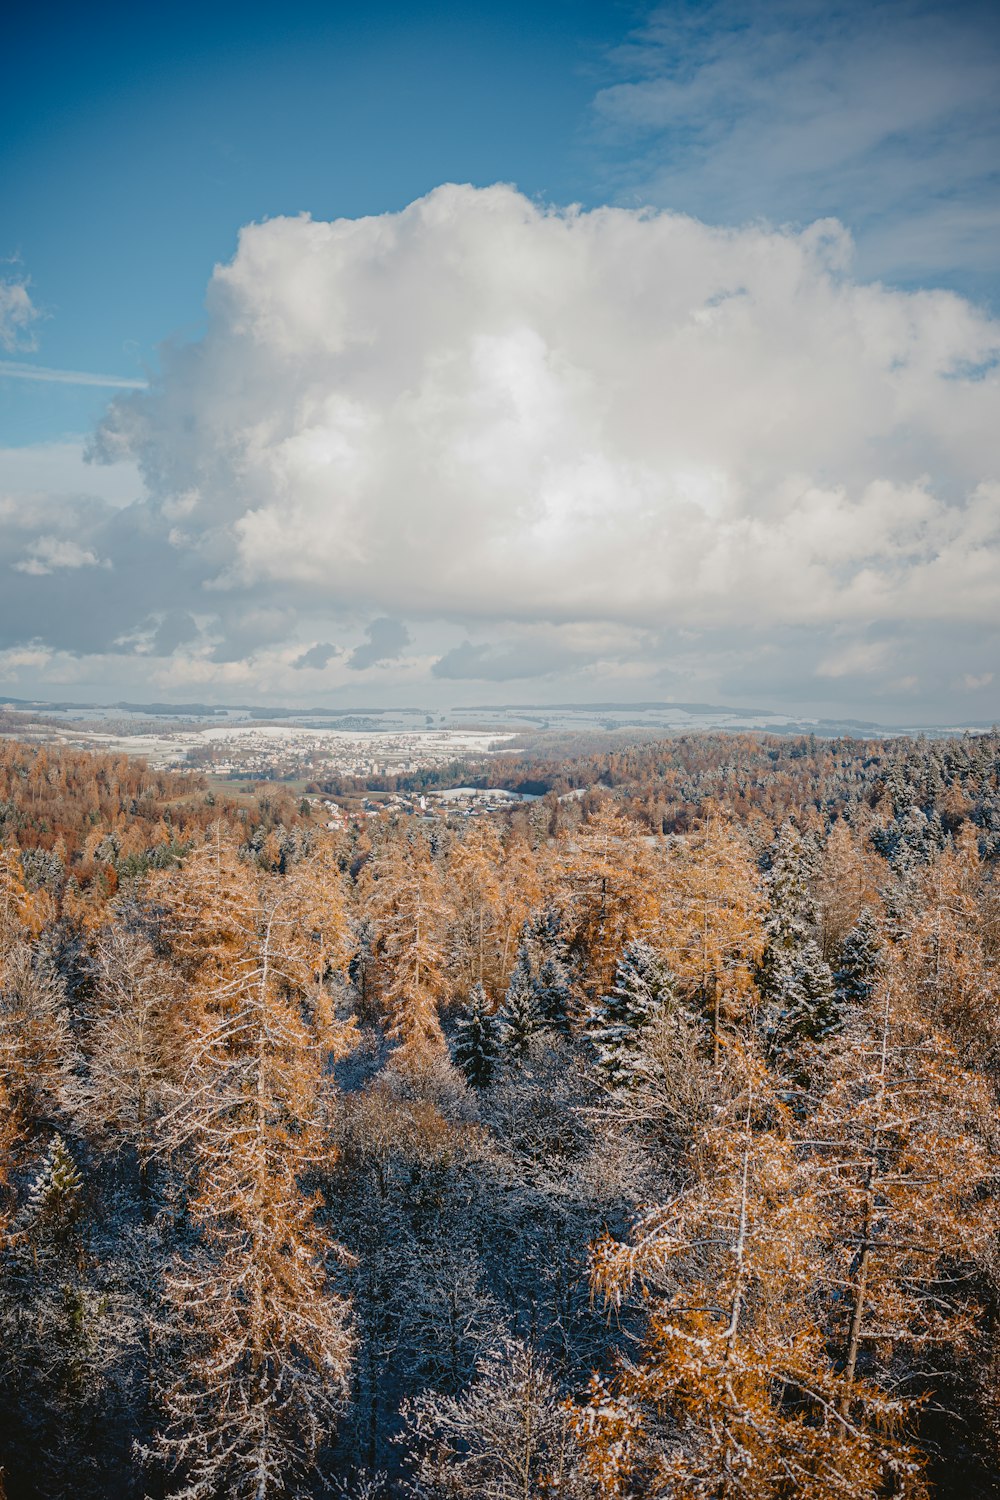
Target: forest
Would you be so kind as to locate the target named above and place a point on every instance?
(637, 1142)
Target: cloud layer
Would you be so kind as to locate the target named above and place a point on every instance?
(617, 446)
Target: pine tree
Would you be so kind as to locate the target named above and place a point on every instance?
(800, 998)
(794, 979)
(477, 1041)
(521, 1018)
(555, 993)
(858, 961)
(615, 1023)
(55, 1197)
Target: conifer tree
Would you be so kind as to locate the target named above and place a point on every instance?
(38, 1053)
(134, 1047)
(521, 1018)
(406, 904)
(843, 886)
(474, 871)
(615, 1024)
(612, 891)
(477, 1041)
(858, 961)
(734, 1393)
(54, 1199)
(710, 928)
(261, 1342)
(794, 979)
(898, 1152)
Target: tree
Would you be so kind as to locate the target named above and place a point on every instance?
(261, 1343)
(615, 1025)
(406, 906)
(38, 1054)
(135, 1048)
(711, 924)
(898, 1150)
(509, 1436)
(843, 885)
(611, 891)
(858, 961)
(793, 977)
(521, 1018)
(733, 1393)
(474, 871)
(477, 1041)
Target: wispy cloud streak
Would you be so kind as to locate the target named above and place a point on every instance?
(13, 369)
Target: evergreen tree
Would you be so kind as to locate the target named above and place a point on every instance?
(54, 1199)
(801, 997)
(521, 1018)
(858, 961)
(477, 1041)
(554, 992)
(793, 977)
(615, 1023)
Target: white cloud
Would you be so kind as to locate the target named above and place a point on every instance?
(50, 553)
(17, 315)
(483, 441)
(12, 369)
(481, 410)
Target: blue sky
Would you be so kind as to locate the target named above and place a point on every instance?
(137, 142)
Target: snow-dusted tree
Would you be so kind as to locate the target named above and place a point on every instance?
(477, 1041)
(800, 1000)
(474, 876)
(844, 885)
(363, 973)
(611, 891)
(540, 993)
(710, 928)
(897, 1145)
(858, 961)
(795, 980)
(261, 1344)
(525, 876)
(134, 1044)
(22, 913)
(38, 1055)
(615, 1024)
(404, 899)
(948, 964)
(555, 991)
(54, 1199)
(66, 1321)
(521, 1018)
(508, 1436)
(733, 1393)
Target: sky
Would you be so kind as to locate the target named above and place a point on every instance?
(447, 354)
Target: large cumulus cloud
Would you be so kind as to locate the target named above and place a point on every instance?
(520, 421)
